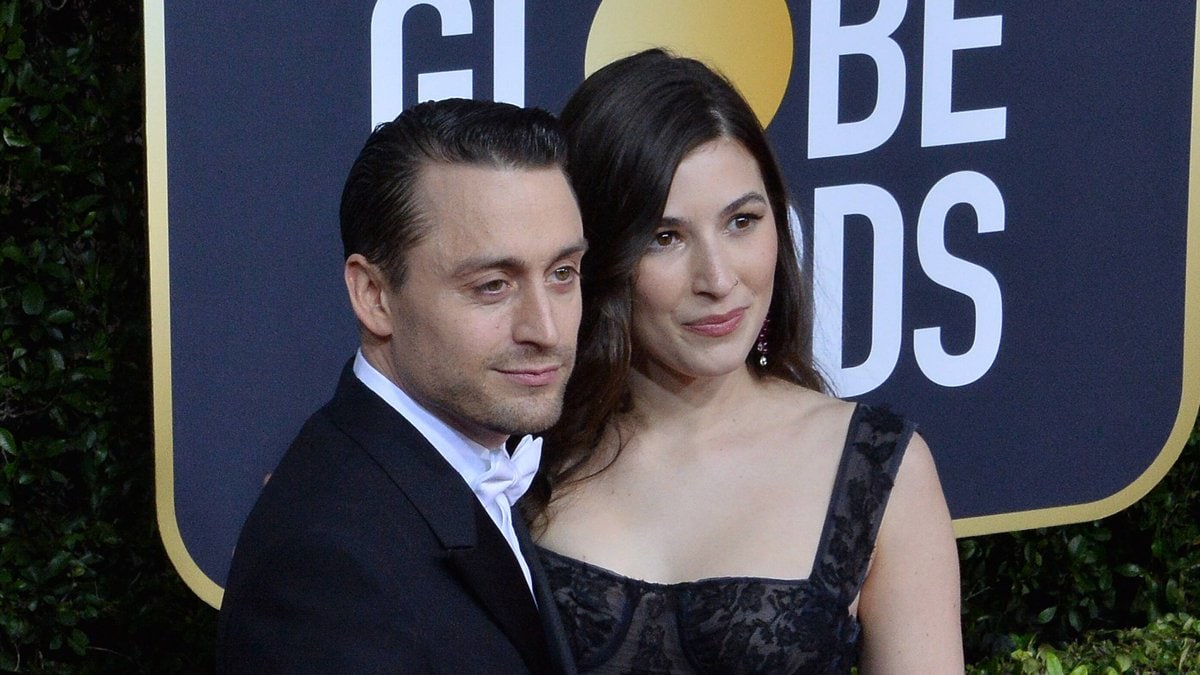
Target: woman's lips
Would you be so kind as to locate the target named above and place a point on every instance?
(717, 325)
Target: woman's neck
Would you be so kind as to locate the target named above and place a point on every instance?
(664, 400)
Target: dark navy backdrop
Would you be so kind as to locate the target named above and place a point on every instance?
(1094, 172)
(268, 103)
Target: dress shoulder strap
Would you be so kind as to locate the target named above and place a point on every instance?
(875, 444)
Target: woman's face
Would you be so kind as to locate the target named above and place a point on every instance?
(703, 286)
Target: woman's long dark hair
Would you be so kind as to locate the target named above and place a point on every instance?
(628, 127)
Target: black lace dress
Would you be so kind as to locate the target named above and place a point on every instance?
(743, 624)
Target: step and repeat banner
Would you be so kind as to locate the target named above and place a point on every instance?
(995, 198)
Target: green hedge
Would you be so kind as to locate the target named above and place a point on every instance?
(1124, 571)
(1169, 645)
(84, 584)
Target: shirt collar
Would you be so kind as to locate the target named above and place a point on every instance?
(467, 457)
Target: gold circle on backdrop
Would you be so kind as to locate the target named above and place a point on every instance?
(749, 41)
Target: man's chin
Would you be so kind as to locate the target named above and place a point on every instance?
(533, 419)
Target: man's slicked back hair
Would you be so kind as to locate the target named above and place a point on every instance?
(381, 212)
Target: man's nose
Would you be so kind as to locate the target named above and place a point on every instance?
(534, 322)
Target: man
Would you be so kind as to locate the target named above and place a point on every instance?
(385, 540)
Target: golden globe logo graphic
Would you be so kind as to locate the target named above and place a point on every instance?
(457, 17)
(749, 41)
(974, 208)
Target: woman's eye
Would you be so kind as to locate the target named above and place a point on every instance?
(665, 238)
(744, 220)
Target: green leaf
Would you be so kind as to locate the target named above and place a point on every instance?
(967, 548)
(7, 443)
(1046, 615)
(1080, 670)
(1053, 665)
(1174, 593)
(56, 360)
(12, 251)
(16, 50)
(33, 299)
(1075, 620)
(61, 316)
(78, 641)
(86, 202)
(14, 138)
(1129, 570)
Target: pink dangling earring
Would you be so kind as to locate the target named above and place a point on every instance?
(761, 345)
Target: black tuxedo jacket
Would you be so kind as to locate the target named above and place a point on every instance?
(368, 553)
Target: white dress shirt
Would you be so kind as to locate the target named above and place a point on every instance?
(471, 460)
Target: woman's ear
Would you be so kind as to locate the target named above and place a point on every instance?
(367, 286)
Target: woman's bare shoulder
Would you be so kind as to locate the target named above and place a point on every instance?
(911, 595)
(805, 409)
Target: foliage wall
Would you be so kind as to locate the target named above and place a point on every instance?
(1125, 571)
(84, 584)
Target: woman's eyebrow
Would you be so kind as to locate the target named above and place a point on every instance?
(754, 196)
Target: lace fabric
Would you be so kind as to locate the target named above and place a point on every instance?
(743, 624)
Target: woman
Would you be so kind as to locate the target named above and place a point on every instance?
(703, 506)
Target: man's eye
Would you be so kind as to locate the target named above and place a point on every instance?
(565, 273)
(492, 287)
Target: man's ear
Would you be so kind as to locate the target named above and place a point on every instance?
(367, 286)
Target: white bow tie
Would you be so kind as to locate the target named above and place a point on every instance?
(509, 476)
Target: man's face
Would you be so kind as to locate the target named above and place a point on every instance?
(485, 322)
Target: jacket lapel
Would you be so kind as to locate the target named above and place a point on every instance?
(476, 551)
(552, 626)
(494, 577)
